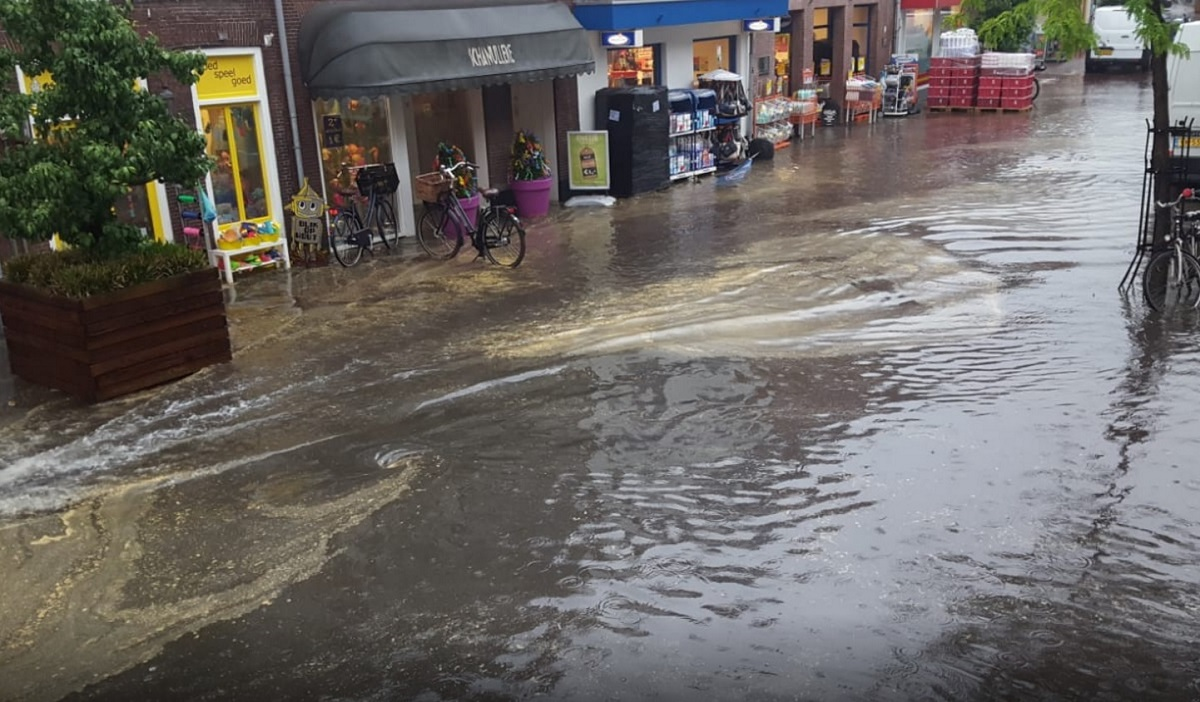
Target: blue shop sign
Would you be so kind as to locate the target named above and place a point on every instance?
(768, 24)
(621, 40)
(610, 16)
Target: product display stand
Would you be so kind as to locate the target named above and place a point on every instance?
(806, 108)
(194, 227)
(864, 99)
(772, 121)
(692, 126)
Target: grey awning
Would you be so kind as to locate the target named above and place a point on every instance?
(360, 48)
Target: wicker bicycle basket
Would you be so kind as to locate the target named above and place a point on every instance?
(429, 187)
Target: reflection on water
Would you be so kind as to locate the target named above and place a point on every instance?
(874, 425)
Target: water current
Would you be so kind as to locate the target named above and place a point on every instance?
(875, 425)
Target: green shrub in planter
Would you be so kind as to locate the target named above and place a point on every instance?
(80, 274)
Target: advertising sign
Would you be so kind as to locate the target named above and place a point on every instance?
(588, 154)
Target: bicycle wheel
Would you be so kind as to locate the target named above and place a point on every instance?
(1037, 89)
(342, 239)
(1165, 286)
(503, 239)
(385, 224)
(433, 237)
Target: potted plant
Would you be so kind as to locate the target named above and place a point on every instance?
(112, 313)
(466, 183)
(531, 182)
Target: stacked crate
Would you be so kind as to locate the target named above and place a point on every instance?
(953, 81)
(1006, 81)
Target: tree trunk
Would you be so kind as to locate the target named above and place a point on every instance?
(1161, 145)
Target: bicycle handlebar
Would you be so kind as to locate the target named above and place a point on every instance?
(455, 167)
(1185, 194)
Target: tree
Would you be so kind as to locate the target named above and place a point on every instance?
(1159, 35)
(1008, 25)
(95, 133)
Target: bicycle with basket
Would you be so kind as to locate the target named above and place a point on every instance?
(352, 231)
(444, 224)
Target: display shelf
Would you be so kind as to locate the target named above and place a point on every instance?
(222, 258)
(693, 123)
(772, 120)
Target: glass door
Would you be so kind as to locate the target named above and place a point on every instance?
(234, 141)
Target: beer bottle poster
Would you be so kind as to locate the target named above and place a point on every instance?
(588, 153)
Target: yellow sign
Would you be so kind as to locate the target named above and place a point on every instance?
(227, 77)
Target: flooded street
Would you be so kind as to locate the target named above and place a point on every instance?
(874, 425)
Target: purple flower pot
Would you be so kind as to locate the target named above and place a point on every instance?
(532, 196)
(470, 207)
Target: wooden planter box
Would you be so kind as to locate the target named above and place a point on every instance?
(119, 342)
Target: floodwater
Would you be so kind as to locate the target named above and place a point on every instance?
(874, 425)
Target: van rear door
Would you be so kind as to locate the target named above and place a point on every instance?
(1116, 36)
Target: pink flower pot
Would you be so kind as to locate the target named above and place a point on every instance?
(470, 207)
(532, 196)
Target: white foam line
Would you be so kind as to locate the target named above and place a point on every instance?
(488, 384)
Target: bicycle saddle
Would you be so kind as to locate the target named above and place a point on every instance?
(489, 193)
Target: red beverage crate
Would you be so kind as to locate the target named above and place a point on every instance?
(1011, 103)
(938, 91)
(988, 102)
(964, 82)
(941, 81)
(937, 100)
(962, 101)
(962, 92)
(1022, 83)
(954, 61)
(940, 71)
(965, 72)
(989, 82)
(989, 93)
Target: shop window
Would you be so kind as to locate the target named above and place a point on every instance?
(353, 131)
(822, 44)
(712, 54)
(139, 206)
(634, 66)
(860, 38)
(919, 31)
(235, 143)
(783, 57)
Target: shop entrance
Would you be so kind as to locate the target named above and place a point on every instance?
(444, 117)
(860, 34)
(713, 54)
(235, 143)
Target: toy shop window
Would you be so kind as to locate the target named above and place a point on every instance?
(234, 142)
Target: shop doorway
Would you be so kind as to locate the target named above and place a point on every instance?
(439, 117)
(636, 66)
(860, 35)
(235, 143)
(713, 54)
(822, 44)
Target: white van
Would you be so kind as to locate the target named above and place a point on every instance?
(1183, 81)
(1117, 42)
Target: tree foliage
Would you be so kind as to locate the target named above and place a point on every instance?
(1008, 25)
(95, 135)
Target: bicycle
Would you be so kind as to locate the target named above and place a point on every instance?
(498, 236)
(1172, 276)
(350, 234)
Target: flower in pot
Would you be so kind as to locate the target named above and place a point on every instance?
(465, 185)
(531, 182)
(97, 137)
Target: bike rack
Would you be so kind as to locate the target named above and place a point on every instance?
(1178, 165)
